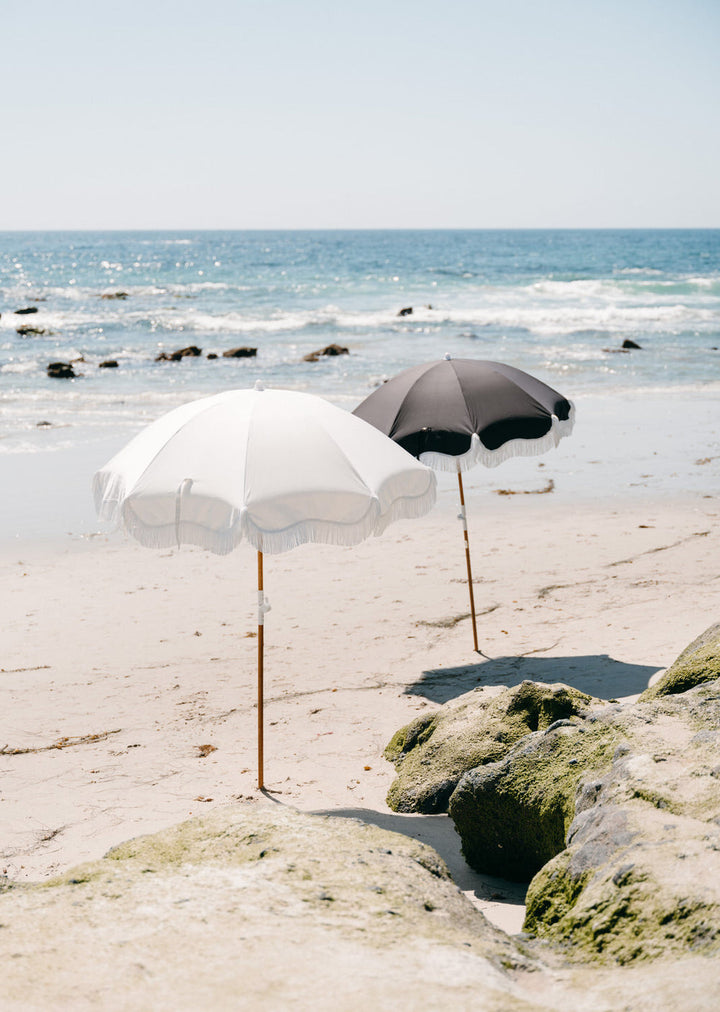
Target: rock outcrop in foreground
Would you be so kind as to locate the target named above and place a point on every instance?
(612, 810)
(434, 751)
(618, 818)
(698, 663)
(260, 907)
(256, 906)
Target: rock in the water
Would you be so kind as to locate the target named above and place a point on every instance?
(192, 351)
(699, 662)
(28, 331)
(60, 370)
(114, 295)
(406, 311)
(109, 363)
(627, 346)
(328, 350)
(433, 752)
(212, 355)
(26, 311)
(240, 353)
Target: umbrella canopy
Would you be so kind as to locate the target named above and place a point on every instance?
(455, 413)
(276, 467)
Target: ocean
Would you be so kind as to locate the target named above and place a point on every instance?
(558, 304)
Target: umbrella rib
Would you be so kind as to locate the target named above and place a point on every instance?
(168, 441)
(245, 468)
(409, 390)
(459, 384)
(365, 523)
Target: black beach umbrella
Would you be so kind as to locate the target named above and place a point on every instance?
(455, 413)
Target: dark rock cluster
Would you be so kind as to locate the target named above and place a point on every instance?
(627, 346)
(408, 310)
(192, 351)
(29, 331)
(239, 353)
(329, 350)
(60, 370)
(434, 752)
(64, 370)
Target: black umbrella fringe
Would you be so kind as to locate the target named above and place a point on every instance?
(480, 454)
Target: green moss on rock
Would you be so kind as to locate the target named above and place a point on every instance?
(190, 842)
(552, 894)
(513, 816)
(338, 914)
(639, 878)
(434, 751)
(624, 918)
(408, 737)
(698, 663)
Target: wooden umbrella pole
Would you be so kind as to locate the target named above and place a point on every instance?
(463, 517)
(261, 650)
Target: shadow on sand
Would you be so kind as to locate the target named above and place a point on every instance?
(597, 674)
(439, 833)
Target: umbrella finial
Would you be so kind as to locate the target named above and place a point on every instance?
(447, 356)
(259, 385)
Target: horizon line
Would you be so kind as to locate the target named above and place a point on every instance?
(391, 228)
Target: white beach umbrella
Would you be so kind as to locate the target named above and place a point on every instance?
(276, 467)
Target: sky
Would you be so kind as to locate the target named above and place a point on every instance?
(168, 114)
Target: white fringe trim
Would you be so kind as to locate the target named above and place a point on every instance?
(108, 493)
(274, 542)
(479, 454)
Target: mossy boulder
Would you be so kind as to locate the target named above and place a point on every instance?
(640, 875)
(513, 816)
(256, 906)
(699, 662)
(434, 751)
(616, 814)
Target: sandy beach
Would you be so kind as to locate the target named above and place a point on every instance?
(488, 230)
(128, 675)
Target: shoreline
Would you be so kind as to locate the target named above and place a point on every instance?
(658, 445)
